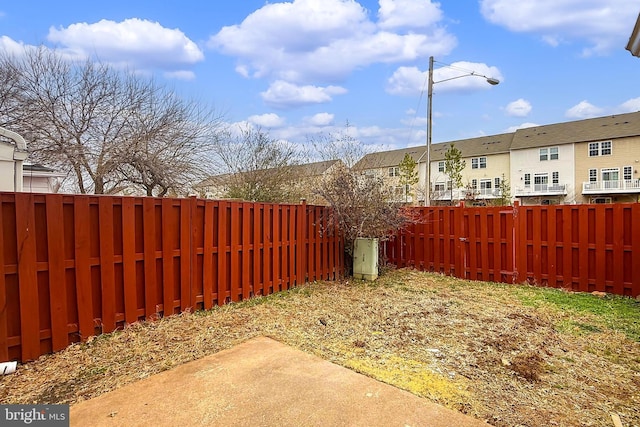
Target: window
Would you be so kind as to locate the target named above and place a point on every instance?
(479, 163)
(601, 200)
(439, 186)
(544, 154)
(600, 148)
(610, 177)
(627, 173)
(497, 182)
(485, 184)
(541, 179)
(395, 171)
(440, 166)
(527, 180)
(593, 175)
(555, 178)
(474, 183)
(553, 153)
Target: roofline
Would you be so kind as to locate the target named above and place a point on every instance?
(634, 41)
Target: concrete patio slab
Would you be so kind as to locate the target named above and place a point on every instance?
(262, 382)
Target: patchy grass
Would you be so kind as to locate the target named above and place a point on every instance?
(511, 355)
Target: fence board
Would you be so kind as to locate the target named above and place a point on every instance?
(57, 279)
(107, 272)
(83, 268)
(4, 324)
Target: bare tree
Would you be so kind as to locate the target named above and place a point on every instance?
(110, 129)
(362, 206)
(340, 145)
(255, 167)
(170, 147)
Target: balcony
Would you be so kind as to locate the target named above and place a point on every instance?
(611, 187)
(541, 190)
(464, 193)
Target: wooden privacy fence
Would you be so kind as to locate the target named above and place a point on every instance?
(76, 266)
(578, 247)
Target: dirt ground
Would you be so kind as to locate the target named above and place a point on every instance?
(470, 346)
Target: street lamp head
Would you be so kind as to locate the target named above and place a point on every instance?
(492, 81)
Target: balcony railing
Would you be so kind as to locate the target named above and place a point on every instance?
(463, 193)
(609, 187)
(542, 190)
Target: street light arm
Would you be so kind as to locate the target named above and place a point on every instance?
(492, 81)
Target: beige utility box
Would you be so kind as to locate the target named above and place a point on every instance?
(365, 259)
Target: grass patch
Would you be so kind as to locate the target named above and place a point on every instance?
(414, 376)
(613, 312)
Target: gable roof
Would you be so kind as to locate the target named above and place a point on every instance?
(385, 159)
(598, 129)
(475, 147)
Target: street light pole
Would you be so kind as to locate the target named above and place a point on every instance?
(427, 198)
(492, 81)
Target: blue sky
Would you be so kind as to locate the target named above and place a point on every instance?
(304, 67)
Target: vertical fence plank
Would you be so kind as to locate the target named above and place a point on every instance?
(635, 250)
(4, 324)
(83, 267)
(223, 273)
(567, 247)
(107, 273)
(187, 295)
(484, 240)
(129, 259)
(600, 249)
(168, 278)
(618, 248)
(258, 281)
(552, 245)
(207, 257)
(496, 268)
(247, 288)
(277, 244)
(301, 215)
(149, 229)
(27, 280)
(234, 253)
(583, 248)
(57, 280)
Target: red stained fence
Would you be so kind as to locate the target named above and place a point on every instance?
(76, 266)
(579, 247)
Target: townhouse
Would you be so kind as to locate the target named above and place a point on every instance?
(486, 161)
(585, 161)
(387, 164)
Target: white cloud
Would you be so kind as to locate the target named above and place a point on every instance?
(180, 75)
(521, 126)
(630, 106)
(321, 119)
(602, 24)
(459, 76)
(306, 41)
(284, 95)
(134, 42)
(408, 13)
(584, 110)
(270, 120)
(518, 108)
(11, 46)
